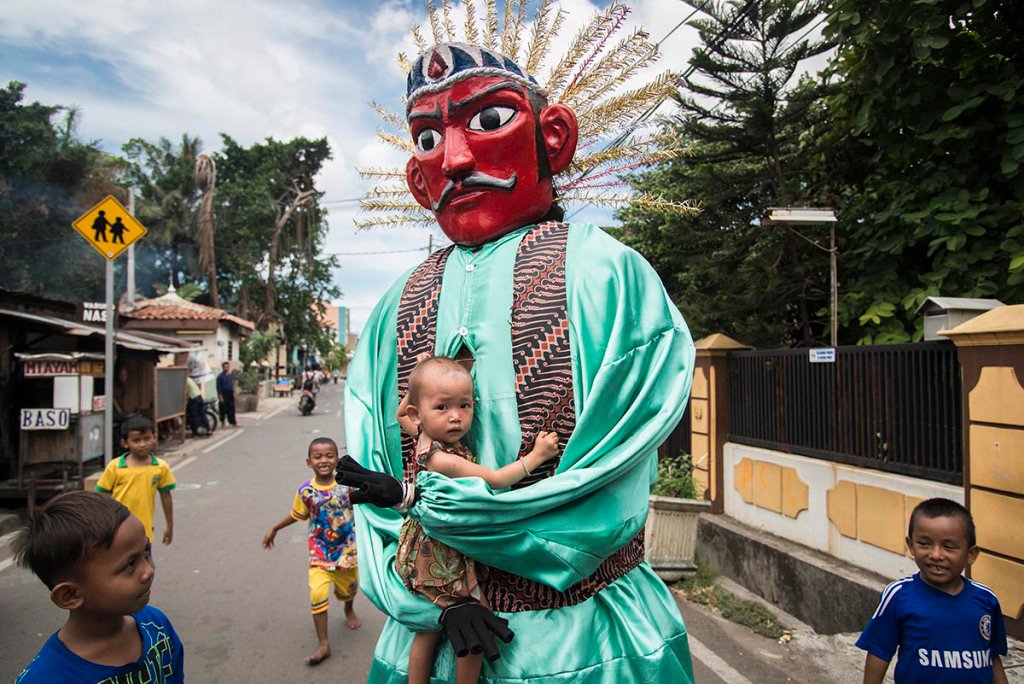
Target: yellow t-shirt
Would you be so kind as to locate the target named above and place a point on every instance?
(136, 486)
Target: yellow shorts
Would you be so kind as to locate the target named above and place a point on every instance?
(345, 581)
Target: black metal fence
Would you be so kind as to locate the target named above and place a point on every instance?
(892, 407)
(678, 441)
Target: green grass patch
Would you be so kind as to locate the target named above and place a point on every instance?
(701, 588)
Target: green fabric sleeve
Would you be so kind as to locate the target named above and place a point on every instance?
(372, 437)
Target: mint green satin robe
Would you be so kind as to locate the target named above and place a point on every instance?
(632, 359)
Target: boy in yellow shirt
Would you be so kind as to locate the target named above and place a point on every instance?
(136, 477)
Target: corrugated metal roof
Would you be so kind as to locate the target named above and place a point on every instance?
(963, 303)
(129, 340)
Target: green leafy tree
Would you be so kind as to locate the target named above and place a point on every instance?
(48, 177)
(161, 174)
(927, 151)
(270, 231)
(745, 117)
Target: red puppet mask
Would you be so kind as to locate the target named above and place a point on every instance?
(484, 159)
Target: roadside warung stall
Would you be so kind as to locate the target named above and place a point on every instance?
(565, 329)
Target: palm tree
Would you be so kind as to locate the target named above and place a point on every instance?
(205, 176)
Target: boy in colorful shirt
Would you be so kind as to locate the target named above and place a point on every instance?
(94, 557)
(136, 477)
(332, 540)
(946, 628)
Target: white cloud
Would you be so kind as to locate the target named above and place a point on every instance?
(262, 68)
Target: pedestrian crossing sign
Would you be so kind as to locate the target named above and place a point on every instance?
(109, 227)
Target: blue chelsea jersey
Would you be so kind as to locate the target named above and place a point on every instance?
(940, 637)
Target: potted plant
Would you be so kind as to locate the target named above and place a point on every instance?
(671, 530)
(247, 384)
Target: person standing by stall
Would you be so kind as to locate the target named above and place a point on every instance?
(226, 395)
(195, 409)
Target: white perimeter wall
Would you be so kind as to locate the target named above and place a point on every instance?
(812, 527)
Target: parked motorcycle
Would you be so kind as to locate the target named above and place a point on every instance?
(307, 402)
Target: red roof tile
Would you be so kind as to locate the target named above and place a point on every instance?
(172, 307)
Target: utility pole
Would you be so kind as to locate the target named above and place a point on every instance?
(815, 216)
(130, 289)
(430, 244)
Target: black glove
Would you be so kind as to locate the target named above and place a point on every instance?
(368, 486)
(469, 627)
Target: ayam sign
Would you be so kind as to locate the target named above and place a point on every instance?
(45, 419)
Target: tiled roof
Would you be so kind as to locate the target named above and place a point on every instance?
(172, 307)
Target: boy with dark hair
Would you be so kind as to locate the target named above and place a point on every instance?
(946, 628)
(135, 478)
(95, 558)
(332, 541)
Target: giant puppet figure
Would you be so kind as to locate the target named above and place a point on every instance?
(569, 331)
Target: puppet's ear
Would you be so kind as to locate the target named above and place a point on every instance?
(417, 186)
(560, 131)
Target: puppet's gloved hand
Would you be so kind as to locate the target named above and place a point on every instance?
(369, 486)
(470, 627)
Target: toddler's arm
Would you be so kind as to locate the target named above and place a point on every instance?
(544, 449)
(168, 506)
(874, 669)
(268, 538)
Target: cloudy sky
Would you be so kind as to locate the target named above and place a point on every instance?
(259, 68)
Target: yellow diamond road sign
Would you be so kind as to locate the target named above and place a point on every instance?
(109, 227)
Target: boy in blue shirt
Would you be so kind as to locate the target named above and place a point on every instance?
(95, 558)
(946, 628)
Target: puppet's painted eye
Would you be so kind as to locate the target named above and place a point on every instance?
(491, 118)
(427, 139)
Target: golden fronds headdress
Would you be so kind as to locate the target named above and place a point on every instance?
(590, 78)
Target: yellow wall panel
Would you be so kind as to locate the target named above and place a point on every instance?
(699, 449)
(768, 486)
(912, 502)
(998, 397)
(699, 419)
(699, 388)
(997, 457)
(841, 503)
(999, 522)
(794, 493)
(1005, 578)
(880, 516)
(743, 480)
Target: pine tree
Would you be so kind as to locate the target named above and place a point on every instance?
(744, 113)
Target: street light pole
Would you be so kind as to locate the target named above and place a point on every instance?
(835, 284)
(816, 216)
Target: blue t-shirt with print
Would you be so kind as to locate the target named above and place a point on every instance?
(940, 638)
(162, 660)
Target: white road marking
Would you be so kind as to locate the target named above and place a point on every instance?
(721, 668)
(338, 414)
(275, 412)
(6, 564)
(179, 466)
(222, 442)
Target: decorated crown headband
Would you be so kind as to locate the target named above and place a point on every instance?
(596, 77)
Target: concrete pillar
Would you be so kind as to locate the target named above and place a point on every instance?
(709, 414)
(991, 352)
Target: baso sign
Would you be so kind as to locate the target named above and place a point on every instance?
(45, 419)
